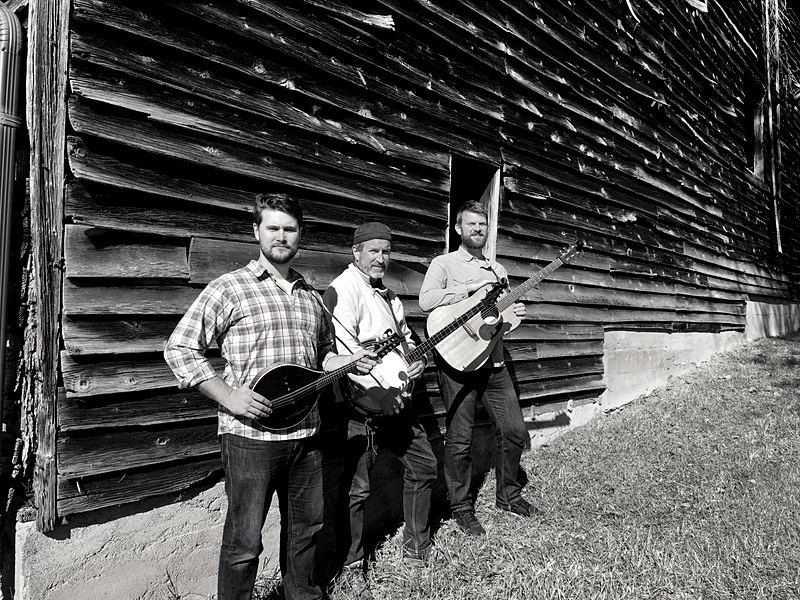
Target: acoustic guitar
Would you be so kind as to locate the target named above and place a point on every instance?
(466, 332)
(294, 389)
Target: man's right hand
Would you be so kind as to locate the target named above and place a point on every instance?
(244, 402)
(473, 286)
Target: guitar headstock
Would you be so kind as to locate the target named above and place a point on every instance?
(572, 251)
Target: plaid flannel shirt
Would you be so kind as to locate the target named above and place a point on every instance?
(256, 323)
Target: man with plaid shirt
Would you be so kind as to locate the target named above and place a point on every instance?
(259, 315)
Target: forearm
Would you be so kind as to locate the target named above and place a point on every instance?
(215, 388)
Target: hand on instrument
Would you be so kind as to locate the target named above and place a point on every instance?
(477, 284)
(520, 310)
(415, 369)
(392, 406)
(366, 360)
(244, 402)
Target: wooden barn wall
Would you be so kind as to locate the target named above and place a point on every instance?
(619, 123)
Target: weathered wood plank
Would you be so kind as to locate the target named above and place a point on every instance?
(117, 300)
(132, 410)
(525, 372)
(77, 495)
(537, 390)
(48, 26)
(84, 455)
(128, 375)
(91, 252)
(116, 337)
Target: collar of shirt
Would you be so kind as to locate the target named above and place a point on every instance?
(465, 255)
(380, 289)
(261, 271)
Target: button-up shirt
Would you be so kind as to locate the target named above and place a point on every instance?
(447, 278)
(256, 323)
(362, 313)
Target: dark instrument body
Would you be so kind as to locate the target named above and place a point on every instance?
(278, 383)
(293, 389)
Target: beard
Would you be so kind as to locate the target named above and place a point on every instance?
(280, 255)
(473, 243)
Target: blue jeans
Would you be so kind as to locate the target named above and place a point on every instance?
(407, 440)
(461, 392)
(254, 470)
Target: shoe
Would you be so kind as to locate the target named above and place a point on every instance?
(419, 558)
(353, 581)
(468, 522)
(520, 507)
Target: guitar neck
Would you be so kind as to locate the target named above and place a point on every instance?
(525, 287)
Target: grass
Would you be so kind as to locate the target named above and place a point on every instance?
(691, 492)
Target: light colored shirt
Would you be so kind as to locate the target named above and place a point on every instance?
(255, 322)
(446, 283)
(362, 313)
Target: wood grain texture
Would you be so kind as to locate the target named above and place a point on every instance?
(48, 24)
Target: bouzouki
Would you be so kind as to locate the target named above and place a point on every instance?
(293, 389)
(465, 333)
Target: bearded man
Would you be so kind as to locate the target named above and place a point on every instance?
(261, 314)
(449, 279)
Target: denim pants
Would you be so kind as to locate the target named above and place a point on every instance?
(254, 470)
(462, 391)
(407, 440)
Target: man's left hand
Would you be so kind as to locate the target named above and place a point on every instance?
(520, 310)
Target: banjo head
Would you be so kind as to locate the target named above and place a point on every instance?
(391, 372)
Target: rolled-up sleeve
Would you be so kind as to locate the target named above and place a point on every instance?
(435, 292)
(207, 317)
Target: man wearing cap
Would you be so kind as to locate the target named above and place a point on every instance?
(362, 309)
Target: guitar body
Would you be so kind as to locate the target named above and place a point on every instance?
(292, 390)
(469, 347)
(392, 379)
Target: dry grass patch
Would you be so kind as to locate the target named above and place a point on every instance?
(692, 492)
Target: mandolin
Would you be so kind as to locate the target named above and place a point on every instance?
(465, 333)
(293, 389)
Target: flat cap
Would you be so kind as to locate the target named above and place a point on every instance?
(371, 231)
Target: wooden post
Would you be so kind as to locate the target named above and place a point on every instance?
(46, 115)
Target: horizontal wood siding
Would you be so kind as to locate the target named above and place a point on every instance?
(624, 132)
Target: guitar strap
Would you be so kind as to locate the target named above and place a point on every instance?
(397, 327)
(338, 339)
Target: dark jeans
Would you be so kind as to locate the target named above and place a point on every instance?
(407, 440)
(254, 470)
(461, 392)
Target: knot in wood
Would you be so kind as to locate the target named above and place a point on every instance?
(259, 67)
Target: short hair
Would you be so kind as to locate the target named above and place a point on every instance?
(473, 206)
(281, 202)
